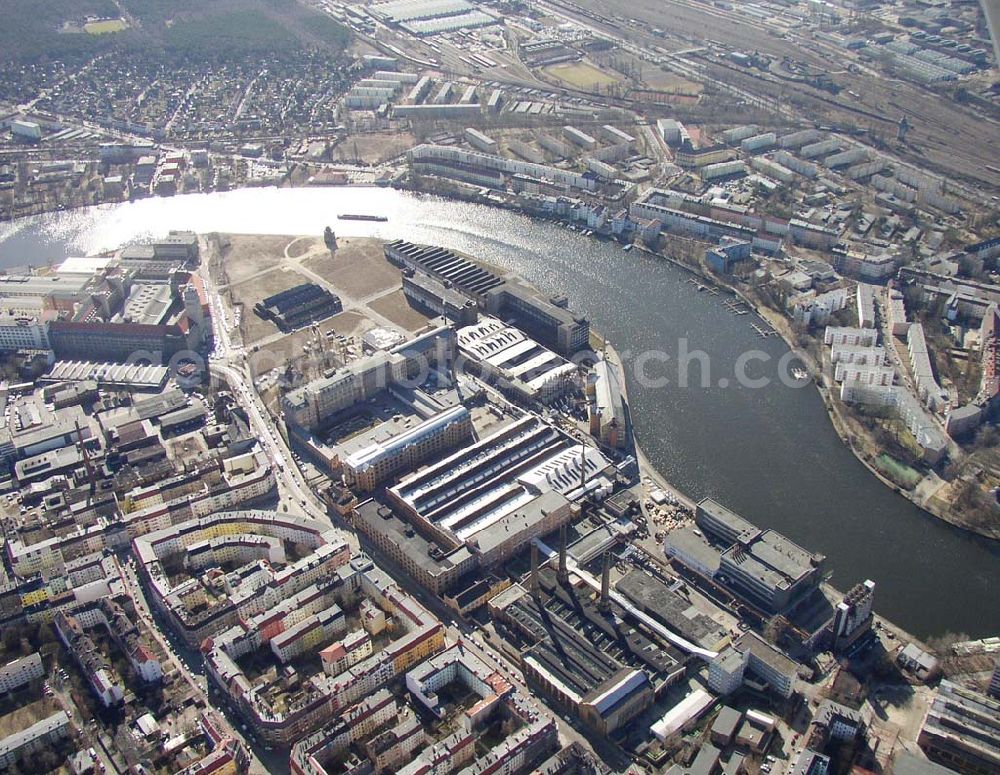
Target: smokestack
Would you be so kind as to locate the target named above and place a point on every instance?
(604, 604)
(583, 466)
(534, 568)
(563, 574)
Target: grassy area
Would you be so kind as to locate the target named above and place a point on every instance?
(664, 80)
(105, 26)
(899, 472)
(581, 75)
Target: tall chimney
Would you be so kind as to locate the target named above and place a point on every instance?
(604, 604)
(563, 574)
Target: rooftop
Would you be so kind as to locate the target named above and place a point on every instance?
(967, 719)
(676, 612)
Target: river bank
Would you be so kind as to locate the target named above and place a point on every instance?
(835, 412)
(649, 472)
(768, 452)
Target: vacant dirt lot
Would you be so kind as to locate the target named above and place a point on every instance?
(251, 291)
(299, 246)
(290, 347)
(358, 268)
(249, 254)
(374, 148)
(395, 307)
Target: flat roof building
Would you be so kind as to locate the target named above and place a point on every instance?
(18, 672)
(656, 599)
(393, 447)
(962, 730)
(41, 734)
(764, 566)
(725, 725)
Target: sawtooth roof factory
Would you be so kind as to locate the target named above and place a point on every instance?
(501, 492)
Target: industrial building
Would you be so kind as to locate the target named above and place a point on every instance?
(546, 319)
(501, 492)
(770, 570)
(430, 295)
(445, 266)
(431, 17)
(962, 730)
(317, 403)
(435, 566)
(671, 608)
(113, 375)
(514, 363)
(750, 653)
(761, 566)
(606, 405)
(585, 662)
(393, 447)
(299, 306)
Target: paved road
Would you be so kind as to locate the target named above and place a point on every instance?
(226, 363)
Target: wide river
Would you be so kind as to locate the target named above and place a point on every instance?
(768, 452)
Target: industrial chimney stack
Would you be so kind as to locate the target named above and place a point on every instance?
(604, 604)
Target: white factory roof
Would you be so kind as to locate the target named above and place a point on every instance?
(84, 264)
(690, 707)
